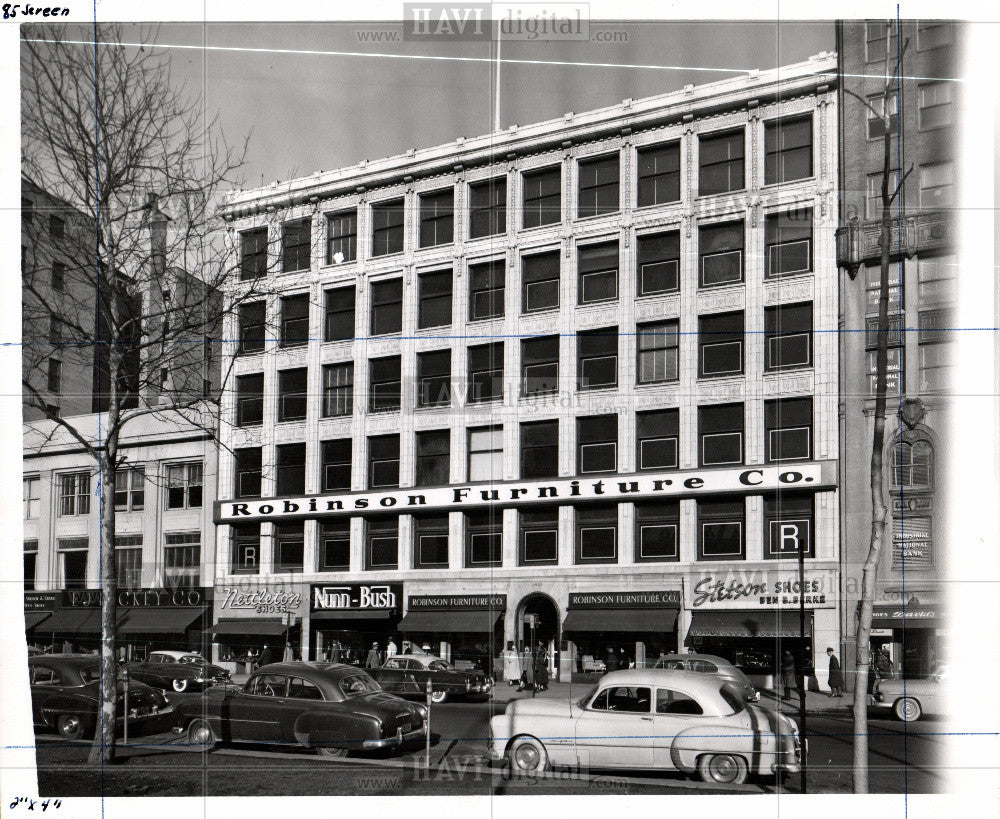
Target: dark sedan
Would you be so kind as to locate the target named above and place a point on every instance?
(65, 689)
(407, 675)
(330, 707)
(177, 671)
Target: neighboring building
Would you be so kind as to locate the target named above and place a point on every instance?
(923, 284)
(572, 384)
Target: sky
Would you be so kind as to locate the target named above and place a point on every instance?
(312, 112)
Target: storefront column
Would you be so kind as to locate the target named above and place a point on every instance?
(755, 527)
(826, 634)
(266, 564)
(688, 534)
(405, 547)
(456, 541)
(357, 544)
(311, 535)
(626, 532)
(509, 539)
(567, 535)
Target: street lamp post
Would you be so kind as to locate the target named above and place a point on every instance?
(803, 543)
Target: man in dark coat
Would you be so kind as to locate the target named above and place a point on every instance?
(265, 656)
(374, 657)
(611, 663)
(836, 675)
(788, 682)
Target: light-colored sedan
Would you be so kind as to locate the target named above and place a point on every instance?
(646, 719)
(911, 699)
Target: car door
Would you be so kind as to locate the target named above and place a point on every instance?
(674, 713)
(615, 730)
(392, 675)
(44, 682)
(255, 713)
(302, 696)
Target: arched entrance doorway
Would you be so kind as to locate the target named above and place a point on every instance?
(537, 626)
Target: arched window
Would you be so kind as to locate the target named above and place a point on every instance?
(912, 464)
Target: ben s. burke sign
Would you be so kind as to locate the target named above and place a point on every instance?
(514, 493)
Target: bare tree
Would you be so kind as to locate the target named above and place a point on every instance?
(130, 286)
(877, 473)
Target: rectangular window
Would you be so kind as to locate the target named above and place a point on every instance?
(788, 150)
(128, 561)
(540, 449)
(720, 345)
(720, 529)
(291, 469)
(788, 525)
(248, 472)
(539, 365)
(935, 105)
(434, 378)
(597, 534)
(32, 499)
(182, 560)
(334, 546)
(597, 358)
(659, 174)
(30, 564)
(250, 400)
(434, 308)
(935, 326)
(598, 180)
(295, 320)
(657, 346)
(483, 538)
(54, 381)
(542, 200)
(656, 528)
(437, 220)
(720, 434)
(933, 34)
(935, 367)
(185, 485)
(937, 186)
(253, 254)
(295, 245)
(485, 373)
(383, 461)
(540, 282)
(788, 246)
(896, 315)
(539, 537)
(597, 443)
(486, 454)
(387, 227)
(488, 208)
(335, 462)
(430, 541)
(382, 543)
(74, 494)
(657, 437)
(384, 392)
(873, 193)
(387, 307)
(720, 163)
(721, 254)
(130, 489)
(659, 261)
(893, 372)
(58, 276)
(597, 266)
(338, 389)
(73, 562)
(788, 336)
(877, 33)
(342, 237)
(289, 547)
(339, 323)
(292, 394)
(486, 290)
(936, 283)
(246, 548)
(252, 327)
(876, 117)
(433, 457)
(788, 425)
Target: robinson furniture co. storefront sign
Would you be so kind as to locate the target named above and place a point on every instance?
(670, 599)
(612, 488)
(460, 602)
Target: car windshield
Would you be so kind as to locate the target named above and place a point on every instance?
(357, 684)
(194, 659)
(439, 665)
(733, 700)
(582, 702)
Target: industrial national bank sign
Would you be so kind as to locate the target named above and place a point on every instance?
(821, 475)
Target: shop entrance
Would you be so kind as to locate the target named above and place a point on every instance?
(537, 625)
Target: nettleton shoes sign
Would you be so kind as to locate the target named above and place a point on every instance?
(356, 596)
(670, 599)
(620, 487)
(460, 602)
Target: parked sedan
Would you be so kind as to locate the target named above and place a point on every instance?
(710, 664)
(65, 690)
(911, 699)
(330, 707)
(177, 671)
(650, 719)
(407, 675)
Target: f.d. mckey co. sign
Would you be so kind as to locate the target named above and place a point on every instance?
(514, 493)
(760, 589)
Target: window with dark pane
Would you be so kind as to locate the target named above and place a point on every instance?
(289, 546)
(720, 249)
(485, 373)
(788, 336)
(597, 358)
(382, 543)
(721, 529)
(788, 425)
(597, 266)
(486, 290)
(387, 307)
(720, 345)
(387, 227)
(657, 438)
(338, 389)
(252, 327)
(597, 533)
(658, 263)
(538, 532)
(434, 378)
(434, 309)
(540, 449)
(542, 200)
(788, 150)
(598, 181)
(246, 548)
(540, 282)
(656, 531)
(597, 443)
(488, 207)
(539, 365)
(291, 469)
(484, 538)
(339, 325)
(383, 461)
(250, 400)
(657, 352)
(720, 163)
(720, 434)
(295, 245)
(788, 246)
(430, 541)
(335, 463)
(334, 545)
(292, 394)
(433, 457)
(253, 254)
(248, 472)
(295, 320)
(788, 525)
(659, 174)
(437, 220)
(385, 385)
(342, 237)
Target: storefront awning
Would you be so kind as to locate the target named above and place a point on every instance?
(159, 621)
(451, 621)
(32, 619)
(353, 614)
(248, 628)
(73, 622)
(639, 621)
(769, 623)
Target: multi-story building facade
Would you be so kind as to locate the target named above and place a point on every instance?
(572, 384)
(923, 279)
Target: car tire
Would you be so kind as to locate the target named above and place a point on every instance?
(438, 696)
(527, 755)
(722, 769)
(180, 686)
(907, 709)
(200, 735)
(70, 726)
(329, 752)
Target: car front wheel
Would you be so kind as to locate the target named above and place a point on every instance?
(439, 696)
(200, 735)
(179, 685)
(722, 769)
(527, 755)
(331, 752)
(70, 726)
(907, 709)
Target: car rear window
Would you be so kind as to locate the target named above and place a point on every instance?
(733, 700)
(357, 684)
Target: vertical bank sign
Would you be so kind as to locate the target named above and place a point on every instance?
(356, 596)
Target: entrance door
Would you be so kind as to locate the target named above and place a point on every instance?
(538, 626)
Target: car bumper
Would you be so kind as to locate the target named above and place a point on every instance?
(395, 741)
(791, 761)
(134, 715)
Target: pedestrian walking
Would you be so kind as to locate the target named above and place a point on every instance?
(391, 649)
(836, 675)
(611, 663)
(541, 672)
(883, 664)
(265, 656)
(335, 651)
(374, 658)
(788, 682)
(289, 655)
(511, 664)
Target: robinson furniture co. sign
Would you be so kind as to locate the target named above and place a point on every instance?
(514, 493)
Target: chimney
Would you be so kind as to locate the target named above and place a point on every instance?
(157, 221)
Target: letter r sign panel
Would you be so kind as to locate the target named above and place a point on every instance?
(788, 536)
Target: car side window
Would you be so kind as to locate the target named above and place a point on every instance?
(40, 675)
(704, 667)
(267, 685)
(303, 690)
(623, 699)
(437, 665)
(395, 665)
(676, 702)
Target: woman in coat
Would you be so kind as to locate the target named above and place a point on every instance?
(541, 672)
(511, 664)
(836, 675)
